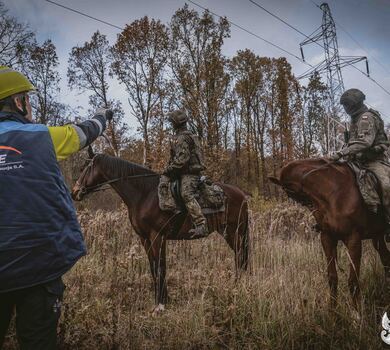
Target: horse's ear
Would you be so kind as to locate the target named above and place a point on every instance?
(91, 154)
(274, 180)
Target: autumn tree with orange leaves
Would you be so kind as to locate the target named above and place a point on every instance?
(140, 58)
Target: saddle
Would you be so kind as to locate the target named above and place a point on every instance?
(211, 197)
(369, 186)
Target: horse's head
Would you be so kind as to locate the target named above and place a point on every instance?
(291, 179)
(292, 190)
(89, 179)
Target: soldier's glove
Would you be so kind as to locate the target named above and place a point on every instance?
(105, 112)
(335, 156)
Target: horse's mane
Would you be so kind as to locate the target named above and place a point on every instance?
(123, 168)
(318, 163)
(312, 166)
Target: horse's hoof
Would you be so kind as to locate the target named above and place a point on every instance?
(158, 310)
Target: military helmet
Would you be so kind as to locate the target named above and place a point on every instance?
(352, 97)
(13, 82)
(178, 117)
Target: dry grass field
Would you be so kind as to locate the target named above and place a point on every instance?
(281, 303)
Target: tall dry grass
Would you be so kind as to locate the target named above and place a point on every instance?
(282, 303)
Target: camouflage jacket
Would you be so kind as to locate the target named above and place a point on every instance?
(186, 156)
(367, 140)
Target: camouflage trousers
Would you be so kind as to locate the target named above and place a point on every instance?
(382, 171)
(189, 188)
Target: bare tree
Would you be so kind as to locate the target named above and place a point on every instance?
(41, 68)
(15, 39)
(89, 71)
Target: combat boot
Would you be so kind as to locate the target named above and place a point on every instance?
(199, 231)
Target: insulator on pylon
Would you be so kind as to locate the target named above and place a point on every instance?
(303, 56)
(367, 68)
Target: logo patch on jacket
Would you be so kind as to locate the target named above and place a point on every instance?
(10, 158)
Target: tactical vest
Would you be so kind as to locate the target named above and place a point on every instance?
(195, 164)
(40, 237)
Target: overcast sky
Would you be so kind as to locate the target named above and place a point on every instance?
(368, 21)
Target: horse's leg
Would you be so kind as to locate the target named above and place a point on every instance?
(158, 250)
(384, 254)
(330, 249)
(354, 246)
(148, 249)
(237, 235)
(243, 244)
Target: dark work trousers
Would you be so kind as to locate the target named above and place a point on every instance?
(38, 309)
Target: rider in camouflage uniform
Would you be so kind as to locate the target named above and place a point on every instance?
(367, 141)
(186, 163)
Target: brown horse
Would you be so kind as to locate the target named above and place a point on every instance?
(330, 190)
(137, 186)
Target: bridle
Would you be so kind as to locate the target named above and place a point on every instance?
(84, 190)
(305, 176)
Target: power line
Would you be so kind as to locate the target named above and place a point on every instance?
(232, 23)
(302, 33)
(84, 14)
(356, 42)
(373, 80)
(315, 4)
(194, 3)
(278, 18)
(316, 42)
(251, 33)
(297, 30)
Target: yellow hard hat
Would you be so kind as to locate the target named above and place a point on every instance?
(13, 82)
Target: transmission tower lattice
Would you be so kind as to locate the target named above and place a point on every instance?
(325, 36)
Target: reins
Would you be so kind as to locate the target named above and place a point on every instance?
(97, 188)
(319, 168)
(309, 173)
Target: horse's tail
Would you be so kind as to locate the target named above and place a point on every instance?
(245, 243)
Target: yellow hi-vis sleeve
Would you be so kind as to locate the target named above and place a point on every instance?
(65, 140)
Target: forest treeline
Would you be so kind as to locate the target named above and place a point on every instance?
(250, 111)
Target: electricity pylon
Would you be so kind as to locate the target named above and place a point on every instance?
(326, 37)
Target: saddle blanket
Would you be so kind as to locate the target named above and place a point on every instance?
(210, 196)
(369, 186)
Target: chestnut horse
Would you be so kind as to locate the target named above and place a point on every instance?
(137, 186)
(330, 190)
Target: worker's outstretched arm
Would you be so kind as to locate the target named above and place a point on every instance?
(71, 138)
